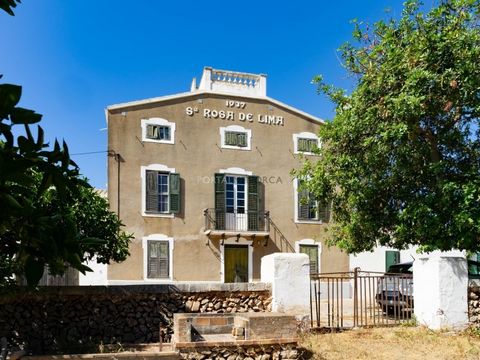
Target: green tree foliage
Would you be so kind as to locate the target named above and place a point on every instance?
(49, 216)
(401, 159)
(8, 5)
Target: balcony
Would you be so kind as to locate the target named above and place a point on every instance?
(247, 224)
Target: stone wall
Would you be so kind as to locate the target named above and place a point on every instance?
(79, 318)
(247, 351)
(474, 302)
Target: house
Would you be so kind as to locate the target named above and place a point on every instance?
(202, 179)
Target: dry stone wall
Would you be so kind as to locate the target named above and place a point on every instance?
(474, 302)
(76, 318)
(251, 352)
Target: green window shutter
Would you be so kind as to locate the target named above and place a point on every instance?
(220, 201)
(158, 259)
(175, 199)
(253, 203)
(303, 205)
(230, 138)
(301, 145)
(324, 212)
(150, 131)
(242, 139)
(151, 186)
(311, 145)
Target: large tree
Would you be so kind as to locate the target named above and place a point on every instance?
(400, 161)
(50, 217)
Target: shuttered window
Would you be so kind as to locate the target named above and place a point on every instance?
(311, 209)
(162, 192)
(307, 145)
(158, 259)
(234, 138)
(312, 252)
(158, 132)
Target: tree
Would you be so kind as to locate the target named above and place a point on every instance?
(49, 215)
(400, 161)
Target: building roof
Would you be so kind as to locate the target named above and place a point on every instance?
(222, 82)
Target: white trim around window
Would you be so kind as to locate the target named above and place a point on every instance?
(295, 201)
(310, 242)
(235, 128)
(235, 171)
(157, 237)
(304, 135)
(159, 122)
(143, 170)
(232, 241)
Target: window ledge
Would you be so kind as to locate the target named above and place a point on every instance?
(170, 142)
(158, 280)
(244, 148)
(168, 216)
(317, 222)
(304, 153)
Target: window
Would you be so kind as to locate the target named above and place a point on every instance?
(312, 252)
(305, 143)
(158, 267)
(238, 201)
(313, 249)
(158, 130)
(157, 255)
(308, 208)
(235, 137)
(161, 191)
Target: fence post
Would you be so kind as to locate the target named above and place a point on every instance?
(355, 297)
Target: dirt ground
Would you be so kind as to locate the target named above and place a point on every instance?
(403, 343)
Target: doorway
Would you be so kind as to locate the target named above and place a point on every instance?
(236, 203)
(236, 263)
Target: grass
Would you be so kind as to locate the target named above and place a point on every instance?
(394, 343)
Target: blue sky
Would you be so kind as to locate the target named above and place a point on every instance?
(74, 58)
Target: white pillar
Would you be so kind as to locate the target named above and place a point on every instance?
(440, 283)
(289, 275)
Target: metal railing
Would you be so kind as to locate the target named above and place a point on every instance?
(360, 299)
(279, 239)
(237, 220)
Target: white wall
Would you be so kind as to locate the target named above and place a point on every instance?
(97, 277)
(440, 290)
(375, 260)
(289, 275)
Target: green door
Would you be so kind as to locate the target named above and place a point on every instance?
(312, 252)
(236, 263)
(392, 257)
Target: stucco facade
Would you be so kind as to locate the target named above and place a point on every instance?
(195, 149)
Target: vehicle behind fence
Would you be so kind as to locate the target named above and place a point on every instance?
(360, 299)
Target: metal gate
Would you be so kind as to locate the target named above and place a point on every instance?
(360, 299)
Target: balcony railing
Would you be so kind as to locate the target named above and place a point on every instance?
(238, 221)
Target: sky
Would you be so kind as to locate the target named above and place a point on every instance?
(76, 57)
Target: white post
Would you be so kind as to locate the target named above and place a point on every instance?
(440, 283)
(289, 275)
(262, 85)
